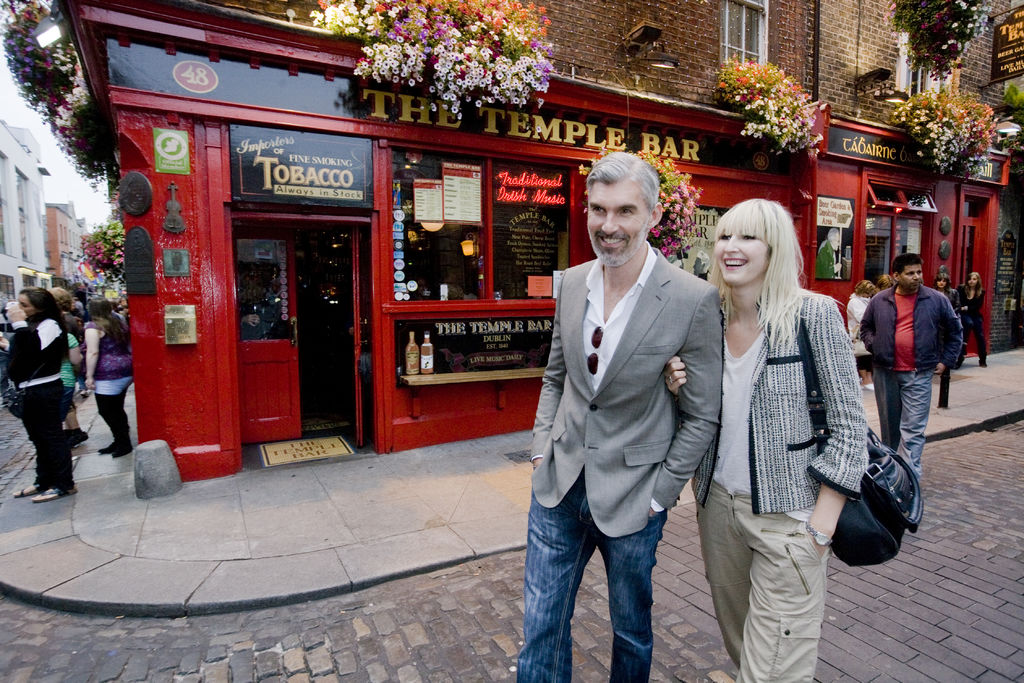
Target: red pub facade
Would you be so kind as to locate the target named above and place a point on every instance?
(291, 228)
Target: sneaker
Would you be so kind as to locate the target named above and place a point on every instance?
(84, 393)
(77, 438)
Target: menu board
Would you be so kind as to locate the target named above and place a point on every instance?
(1005, 258)
(530, 219)
(428, 200)
(462, 192)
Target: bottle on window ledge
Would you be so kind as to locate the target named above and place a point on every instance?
(412, 355)
(427, 355)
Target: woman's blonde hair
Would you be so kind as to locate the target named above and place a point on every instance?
(778, 304)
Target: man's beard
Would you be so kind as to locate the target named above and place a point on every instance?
(620, 258)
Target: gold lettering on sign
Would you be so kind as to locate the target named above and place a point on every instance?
(422, 111)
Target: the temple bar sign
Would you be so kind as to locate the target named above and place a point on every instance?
(296, 167)
(1008, 47)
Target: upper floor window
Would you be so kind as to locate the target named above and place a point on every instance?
(743, 29)
(913, 81)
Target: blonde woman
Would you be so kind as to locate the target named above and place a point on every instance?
(768, 500)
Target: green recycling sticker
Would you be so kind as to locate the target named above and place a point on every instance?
(171, 151)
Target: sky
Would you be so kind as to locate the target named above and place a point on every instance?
(64, 183)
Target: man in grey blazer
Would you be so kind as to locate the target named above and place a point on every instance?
(611, 451)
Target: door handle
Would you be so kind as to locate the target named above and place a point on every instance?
(294, 322)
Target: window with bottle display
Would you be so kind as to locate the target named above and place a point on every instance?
(439, 234)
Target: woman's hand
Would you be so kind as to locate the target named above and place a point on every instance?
(675, 374)
(90, 384)
(15, 313)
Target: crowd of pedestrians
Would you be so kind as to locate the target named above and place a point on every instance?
(55, 344)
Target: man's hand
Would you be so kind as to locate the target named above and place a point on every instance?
(536, 462)
(939, 369)
(251, 319)
(675, 374)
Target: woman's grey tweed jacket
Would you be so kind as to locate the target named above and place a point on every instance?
(785, 467)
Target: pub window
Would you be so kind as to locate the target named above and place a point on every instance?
(7, 288)
(743, 25)
(899, 199)
(530, 228)
(438, 217)
(913, 81)
(888, 235)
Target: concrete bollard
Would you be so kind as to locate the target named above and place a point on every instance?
(156, 472)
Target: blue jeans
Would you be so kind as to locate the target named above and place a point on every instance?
(560, 541)
(904, 400)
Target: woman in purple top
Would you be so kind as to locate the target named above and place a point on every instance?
(108, 371)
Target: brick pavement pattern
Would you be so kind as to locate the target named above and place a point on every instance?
(949, 608)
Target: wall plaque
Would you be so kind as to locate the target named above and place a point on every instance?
(139, 267)
(176, 263)
(134, 194)
(945, 225)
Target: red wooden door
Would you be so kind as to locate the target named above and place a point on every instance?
(268, 336)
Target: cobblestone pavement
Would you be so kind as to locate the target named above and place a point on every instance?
(949, 608)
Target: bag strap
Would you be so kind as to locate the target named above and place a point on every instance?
(815, 400)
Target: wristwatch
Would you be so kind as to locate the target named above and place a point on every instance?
(819, 538)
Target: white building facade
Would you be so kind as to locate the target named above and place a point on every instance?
(23, 261)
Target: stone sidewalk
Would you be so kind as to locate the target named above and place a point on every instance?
(291, 533)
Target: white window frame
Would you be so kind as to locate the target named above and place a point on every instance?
(744, 51)
(913, 81)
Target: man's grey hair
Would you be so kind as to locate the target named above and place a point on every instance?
(619, 166)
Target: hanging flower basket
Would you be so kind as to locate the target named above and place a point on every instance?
(678, 197)
(953, 130)
(475, 51)
(50, 81)
(103, 250)
(776, 109)
(938, 31)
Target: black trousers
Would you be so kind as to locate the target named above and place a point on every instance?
(111, 409)
(43, 424)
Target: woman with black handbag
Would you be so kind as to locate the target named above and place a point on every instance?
(769, 501)
(37, 351)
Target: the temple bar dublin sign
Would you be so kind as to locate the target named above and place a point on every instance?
(296, 167)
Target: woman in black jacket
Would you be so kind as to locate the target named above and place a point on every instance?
(972, 297)
(37, 350)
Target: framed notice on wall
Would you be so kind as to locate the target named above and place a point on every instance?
(834, 257)
(462, 192)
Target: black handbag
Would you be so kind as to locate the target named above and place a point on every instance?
(14, 400)
(870, 530)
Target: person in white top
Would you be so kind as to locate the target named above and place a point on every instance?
(769, 497)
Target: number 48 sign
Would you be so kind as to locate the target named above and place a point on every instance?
(195, 76)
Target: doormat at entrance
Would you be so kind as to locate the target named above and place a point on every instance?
(284, 452)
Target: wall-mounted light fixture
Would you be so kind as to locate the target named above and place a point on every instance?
(875, 83)
(432, 226)
(642, 43)
(469, 245)
(1007, 126)
(48, 31)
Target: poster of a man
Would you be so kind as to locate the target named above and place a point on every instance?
(828, 265)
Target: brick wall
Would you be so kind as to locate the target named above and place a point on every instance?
(588, 34)
(857, 37)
